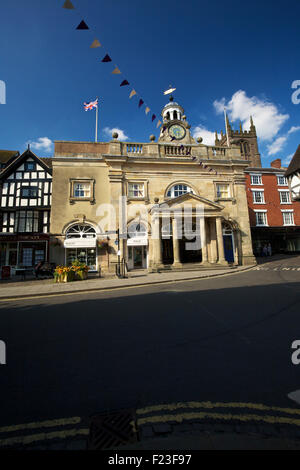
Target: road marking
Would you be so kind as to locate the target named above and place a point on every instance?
(217, 416)
(295, 396)
(41, 424)
(43, 437)
(210, 405)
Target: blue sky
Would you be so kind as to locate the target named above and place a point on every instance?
(241, 54)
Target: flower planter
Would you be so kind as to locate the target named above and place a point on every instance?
(78, 271)
(82, 275)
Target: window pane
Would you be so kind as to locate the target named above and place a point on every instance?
(255, 179)
(223, 190)
(284, 196)
(136, 190)
(82, 189)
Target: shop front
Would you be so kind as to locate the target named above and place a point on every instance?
(137, 247)
(81, 244)
(23, 250)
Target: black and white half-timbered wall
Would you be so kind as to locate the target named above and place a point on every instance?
(25, 202)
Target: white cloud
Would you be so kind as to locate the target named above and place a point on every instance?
(294, 129)
(42, 143)
(208, 136)
(280, 142)
(277, 145)
(266, 116)
(109, 131)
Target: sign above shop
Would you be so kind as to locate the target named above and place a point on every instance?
(80, 242)
(136, 241)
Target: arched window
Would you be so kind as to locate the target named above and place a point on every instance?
(168, 116)
(179, 190)
(81, 231)
(137, 229)
(174, 114)
(245, 150)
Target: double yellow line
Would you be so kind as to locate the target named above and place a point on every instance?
(208, 414)
(163, 413)
(42, 435)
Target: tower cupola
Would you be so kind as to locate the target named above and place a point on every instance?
(172, 111)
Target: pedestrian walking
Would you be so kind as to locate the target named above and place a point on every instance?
(265, 250)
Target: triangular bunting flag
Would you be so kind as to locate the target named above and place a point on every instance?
(82, 25)
(124, 83)
(147, 110)
(140, 103)
(68, 5)
(106, 59)
(133, 92)
(153, 117)
(116, 71)
(158, 124)
(95, 43)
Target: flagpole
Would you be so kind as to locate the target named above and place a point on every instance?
(226, 128)
(96, 131)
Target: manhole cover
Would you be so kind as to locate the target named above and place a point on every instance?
(112, 429)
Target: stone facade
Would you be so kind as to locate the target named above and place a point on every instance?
(157, 181)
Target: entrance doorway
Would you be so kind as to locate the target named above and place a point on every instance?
(189, 256)
(137, 257)
(228, 243)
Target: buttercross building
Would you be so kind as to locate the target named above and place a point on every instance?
(157, 205)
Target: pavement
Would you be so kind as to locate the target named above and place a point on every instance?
(46, 287)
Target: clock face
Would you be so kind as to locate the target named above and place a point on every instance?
(177, 131)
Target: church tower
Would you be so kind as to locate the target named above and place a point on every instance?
(175, 127)
(247, 140)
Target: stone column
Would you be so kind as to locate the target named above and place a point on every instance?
(156, 243)
(213, 240)
(220, 242)
(175, 240)
(203, 235)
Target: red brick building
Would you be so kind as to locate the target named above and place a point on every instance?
(274, 216)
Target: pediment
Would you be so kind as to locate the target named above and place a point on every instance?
(192, 200)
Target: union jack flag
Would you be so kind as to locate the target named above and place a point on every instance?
(91, 105)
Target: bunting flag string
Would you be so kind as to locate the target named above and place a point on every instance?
(116, 71)
(106, 59)
(95, 44)
(133, 92)
(68, 5)
(82, 25)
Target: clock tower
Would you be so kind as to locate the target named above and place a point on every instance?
(175, 128)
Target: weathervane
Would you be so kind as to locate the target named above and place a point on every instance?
(168, 91)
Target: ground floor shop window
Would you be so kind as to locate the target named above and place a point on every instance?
(31, 254)
(87, 256)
